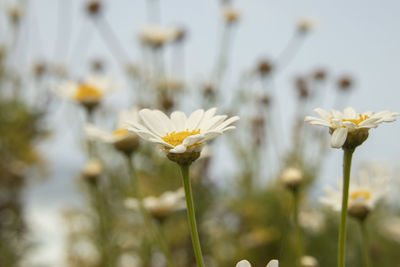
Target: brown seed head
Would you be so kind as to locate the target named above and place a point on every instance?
(264, 67)
(93, 7)
(345, 83)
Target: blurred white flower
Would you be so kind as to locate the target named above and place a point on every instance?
(179, 134)
(245, 263)
(121, 138)
(160, 207)
(306, 24)
(313, 221)
(291, 177)
(230, 14)
(308, 261)
(156, 36)
(390, 228)
(364, 193)
(350, 128)
(89, 92)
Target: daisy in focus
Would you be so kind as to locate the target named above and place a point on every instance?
(365, 193)
(350, 129)
(160, 207)
(122, 139)
(245, 263)
(88, 92)
(180, 136)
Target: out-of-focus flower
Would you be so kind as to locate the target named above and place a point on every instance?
(308, 261)
(230, 15)
(157, 36)
(319, 74)
(39, 69)
(302, 87)
(92, 170)
(245, 263)
(15, 12)
(93, 7)
(89, 92)
(264, 67)
(123, 140)
(162, 206)
(292, 178)
(350, 129)
(364, 193)
(170, 83)
(344, 83)
(180, 136)
(306, 24)
(390, 228)
(312, 221)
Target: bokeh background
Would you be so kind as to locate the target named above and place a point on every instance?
(354, 39)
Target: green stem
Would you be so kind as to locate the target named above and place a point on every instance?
(191, 215)
(151, 227)
(365, 244)
(296, 201)
(347, 156)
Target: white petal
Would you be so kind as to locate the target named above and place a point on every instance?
(226, 123)
(193, 139)
(338, 138)
(317, 121)
(211, 123)
(243, 263)
(194, 119)
(164, 121)
(273, 263)
(350, 113)
(178, 149)
(178, 119)
(151, 121)
(323, 113)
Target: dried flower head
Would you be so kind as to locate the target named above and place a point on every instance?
(230, 15)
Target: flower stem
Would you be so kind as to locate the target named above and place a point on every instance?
(151, 227)
(365, 244)
(191, 215)
(347, 157)
(296, 200)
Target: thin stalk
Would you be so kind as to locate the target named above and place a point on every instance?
(347, 157)
(365, 244)
(191, 215)
(296, 200)
(151, 227)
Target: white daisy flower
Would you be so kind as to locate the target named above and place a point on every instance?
(122, 139)
(160, 207)
(179, 134)
(350, 129)
(364, 193)
(156, 36)
(245, 263)
(292, 177)
(88, 92)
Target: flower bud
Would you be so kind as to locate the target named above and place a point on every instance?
(92, 171)
(292, 178)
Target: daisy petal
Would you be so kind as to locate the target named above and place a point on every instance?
(339, 137)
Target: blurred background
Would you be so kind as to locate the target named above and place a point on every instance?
(270, 62)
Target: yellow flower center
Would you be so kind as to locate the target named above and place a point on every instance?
(176, 138)
(88, 92)
(120, 132)
(360, 193)
(359, 120)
